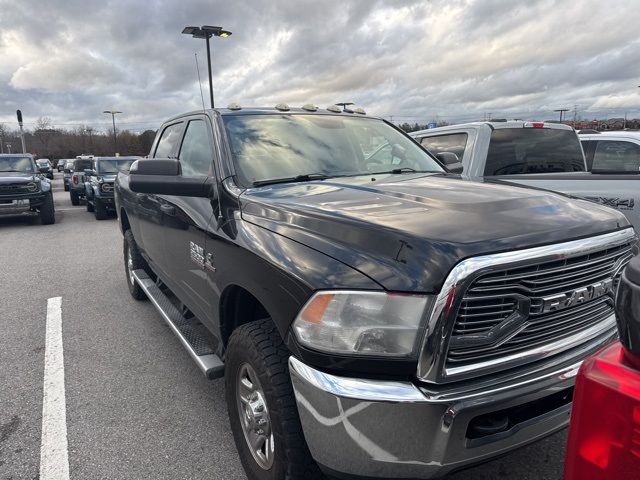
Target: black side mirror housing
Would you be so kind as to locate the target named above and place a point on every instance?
(162, 176)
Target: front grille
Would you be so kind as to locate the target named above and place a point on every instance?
(14, 188)
(510, 311)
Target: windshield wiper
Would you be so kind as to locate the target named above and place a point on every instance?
(307, 177)
(398, 171)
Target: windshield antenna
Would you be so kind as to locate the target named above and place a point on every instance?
(199, 81)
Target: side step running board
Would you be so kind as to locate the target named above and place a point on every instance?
(196, 344)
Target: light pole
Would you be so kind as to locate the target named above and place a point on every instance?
(115, 138)
(19, 115)
(206, 32)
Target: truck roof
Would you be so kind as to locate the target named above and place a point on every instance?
(275, 111)
(494, 126)
(612, 133)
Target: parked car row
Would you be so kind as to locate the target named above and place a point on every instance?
(372, 314)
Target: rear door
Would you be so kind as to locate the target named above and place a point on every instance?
(185, 221)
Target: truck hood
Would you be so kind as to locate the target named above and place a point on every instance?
(16, 177)
(407, 232)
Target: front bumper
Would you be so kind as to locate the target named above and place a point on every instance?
(18, 204)
(391, 429)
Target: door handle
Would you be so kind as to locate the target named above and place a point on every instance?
(168, 210)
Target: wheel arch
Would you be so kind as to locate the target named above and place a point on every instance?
(237, 307)
(124, 221)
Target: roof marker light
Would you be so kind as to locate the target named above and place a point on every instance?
(360, 111)
(234, 106)
(283, 107)
(310, 107)
(334, 109)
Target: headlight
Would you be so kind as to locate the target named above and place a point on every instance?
(362, 323)
(106, 187)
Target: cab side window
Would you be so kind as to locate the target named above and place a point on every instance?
(196, 153)
(616, 156)
(168, 141)
(454, 143)
(589, 147)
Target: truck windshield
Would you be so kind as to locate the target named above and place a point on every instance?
(271, 147)
(16, 164)
(515, 151)
(113, 166)
(81, 165)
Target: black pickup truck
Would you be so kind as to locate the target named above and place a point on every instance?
(372, 314)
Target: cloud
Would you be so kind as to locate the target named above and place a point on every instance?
(71, 59)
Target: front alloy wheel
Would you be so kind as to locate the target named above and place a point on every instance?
(262, 406)
(254, 416)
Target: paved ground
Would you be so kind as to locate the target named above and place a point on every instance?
(137, 407)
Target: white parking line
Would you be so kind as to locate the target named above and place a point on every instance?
(54, 457)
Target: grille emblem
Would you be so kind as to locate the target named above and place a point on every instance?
(560, 301)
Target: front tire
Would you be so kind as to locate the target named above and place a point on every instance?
(89, 206)
(66, 187)
(133, 261)
(262, 406)
(47, 211)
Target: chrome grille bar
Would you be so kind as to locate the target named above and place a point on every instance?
(482, 292)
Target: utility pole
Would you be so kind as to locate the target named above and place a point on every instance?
(575, 115)
(624, 125)
(115, 138)
(561, 110)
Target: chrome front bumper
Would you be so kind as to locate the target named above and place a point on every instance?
(390, 429)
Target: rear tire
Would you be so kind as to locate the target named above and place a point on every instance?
(47, 211)
(257, 348)
(66, 187)
(75, 199)
(133, 261)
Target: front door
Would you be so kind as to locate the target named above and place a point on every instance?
(185, 220)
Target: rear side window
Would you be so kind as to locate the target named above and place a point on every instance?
(196, 157)
(81, 165)
(169, 140)
(514, 151)
(454, 143)
(616, 156)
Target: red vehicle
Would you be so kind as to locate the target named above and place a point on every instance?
(604, 434)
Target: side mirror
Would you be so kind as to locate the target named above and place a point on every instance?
(451, 161)
(398, 151)
(162, 176)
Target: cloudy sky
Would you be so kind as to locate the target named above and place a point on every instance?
(455, 60)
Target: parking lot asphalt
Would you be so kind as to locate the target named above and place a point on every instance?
(136, 405)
